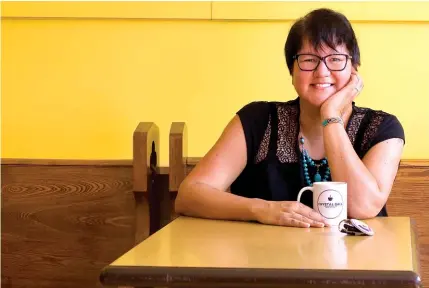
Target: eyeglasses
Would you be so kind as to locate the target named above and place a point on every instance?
(310, 62)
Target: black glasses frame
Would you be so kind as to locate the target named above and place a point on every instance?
(322, 59)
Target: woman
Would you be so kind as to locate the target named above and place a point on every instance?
(261, 153)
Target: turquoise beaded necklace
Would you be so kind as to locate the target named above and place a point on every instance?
(308, 162)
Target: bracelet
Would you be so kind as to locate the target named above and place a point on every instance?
(332, 120)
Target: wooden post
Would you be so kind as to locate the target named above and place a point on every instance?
(177, 165)
(145, 170)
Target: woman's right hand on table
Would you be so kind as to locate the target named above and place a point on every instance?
(288, 213)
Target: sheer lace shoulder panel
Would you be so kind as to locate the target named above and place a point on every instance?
(288, 133)
(263, 148)
(369, 130)
(372, 128)
(354, 123)
(288, 130)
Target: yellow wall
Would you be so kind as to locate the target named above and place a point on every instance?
(75, 85)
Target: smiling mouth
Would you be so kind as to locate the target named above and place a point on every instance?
(322, 86)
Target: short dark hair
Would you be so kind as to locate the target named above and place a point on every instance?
(321, 26)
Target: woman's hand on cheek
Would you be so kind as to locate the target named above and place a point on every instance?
(336, 105)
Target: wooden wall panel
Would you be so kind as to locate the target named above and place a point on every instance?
(410, 197)
(62, 224)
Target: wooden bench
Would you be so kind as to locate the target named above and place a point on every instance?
(409, 196)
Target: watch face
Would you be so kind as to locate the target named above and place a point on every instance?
(355, 227)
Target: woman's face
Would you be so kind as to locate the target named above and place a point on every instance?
(316, 86)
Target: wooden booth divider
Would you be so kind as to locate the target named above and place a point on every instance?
(145, 169)
(177, 160)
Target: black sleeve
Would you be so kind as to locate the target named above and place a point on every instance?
(254, 119)
(389, 128)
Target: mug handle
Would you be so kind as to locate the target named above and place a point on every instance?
(308, 188)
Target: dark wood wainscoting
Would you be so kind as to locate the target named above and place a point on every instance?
(410, 197)
(62, 222)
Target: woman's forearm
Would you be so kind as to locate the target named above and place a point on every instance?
(364, 197)
(201, 200)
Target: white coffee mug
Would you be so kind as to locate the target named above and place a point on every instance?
(329, 199)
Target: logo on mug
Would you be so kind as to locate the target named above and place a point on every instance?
(330, 204)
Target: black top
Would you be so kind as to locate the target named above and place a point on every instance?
(274, 167)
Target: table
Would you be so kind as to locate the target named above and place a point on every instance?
(193, 252)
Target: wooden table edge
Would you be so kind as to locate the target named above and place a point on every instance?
(415, 246)
(251, 277)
